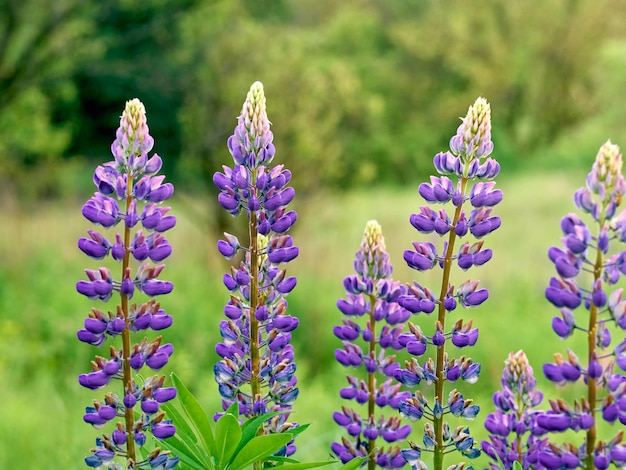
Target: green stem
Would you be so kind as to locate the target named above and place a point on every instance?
(520, 414)
(371, 383)
(127, 379)
(441, 317)
(255, 382)
(254, 303)
(591, 350)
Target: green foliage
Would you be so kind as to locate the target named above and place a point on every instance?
(37, 92)
(364, 91)
(360, 91)
(232, 446)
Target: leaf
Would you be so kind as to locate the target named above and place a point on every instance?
(258, 449)
(142, 452)
(227, 437)
(303, 465)
(251, 426)
(233, 409)
(353, 464)
(196, 415)
(517, 466)
(182, 427)
(186, 455)
(257, 420)
(298, 429)
(277, 459)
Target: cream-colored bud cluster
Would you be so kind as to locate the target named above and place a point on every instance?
(373, 240)
(374, 250)
(135, 112)
(517, 364)
(608, 164)
(254, 111)
(606, 177)
(473, 137)
(478, 119)
(134, 120)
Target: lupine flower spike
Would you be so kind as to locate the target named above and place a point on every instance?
(128, 192)
(466, 172)
(589, 263)
(511, 427)
(257, 367)
(371, 294)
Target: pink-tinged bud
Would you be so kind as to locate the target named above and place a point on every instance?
(133, 138)
(473, 137)
(605, 178)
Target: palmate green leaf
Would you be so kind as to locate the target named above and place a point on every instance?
(188, 456)
(298, 429)
(250, 428)
(197, 417)
(304, 465)
(183, 430)
(142, 452)
(259, 449)
(353, 464)
(233, 409)
(278, 460)
(227, 437)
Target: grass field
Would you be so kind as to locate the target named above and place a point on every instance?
(40, 357)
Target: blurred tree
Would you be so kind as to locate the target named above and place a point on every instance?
(325, 76)
(360, 91)
(138, 36)
(536, 68)
(41, 44)
(365, 90)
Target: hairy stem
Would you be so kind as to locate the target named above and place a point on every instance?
(129, 417)
(441, 350)
(371, 383)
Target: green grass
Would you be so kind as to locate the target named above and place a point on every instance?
(40, 311)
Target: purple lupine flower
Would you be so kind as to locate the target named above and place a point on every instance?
(470, 197)
(589, 262)
(512, 427)
(123, 184)
(379, 332)
(257, 368)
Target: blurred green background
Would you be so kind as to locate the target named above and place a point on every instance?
(361, 93)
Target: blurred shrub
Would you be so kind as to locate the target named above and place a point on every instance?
(41, 45)
(362, 90)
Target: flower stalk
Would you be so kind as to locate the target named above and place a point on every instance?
(467, 162)
(130, 179)
(129, 416)
(441, 318)
(257, 368)
(588, 264)
(371, 293)
(515, 416)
